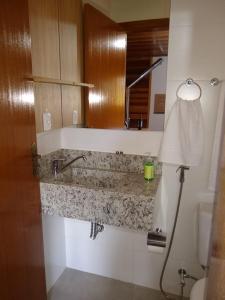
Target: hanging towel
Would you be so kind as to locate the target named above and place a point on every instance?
(183, 139)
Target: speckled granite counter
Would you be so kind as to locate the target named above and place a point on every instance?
(115, 194)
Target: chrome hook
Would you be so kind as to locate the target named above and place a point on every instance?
(214, 81)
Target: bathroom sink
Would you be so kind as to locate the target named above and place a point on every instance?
(106, 188)
(90, 178)
(112, 197)
(121, 182)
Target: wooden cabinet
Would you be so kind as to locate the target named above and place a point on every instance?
(56, 53)
(45, 59)
(70, 29)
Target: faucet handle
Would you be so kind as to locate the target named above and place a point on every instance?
(55, 165)
(58, 159)
(84, 157)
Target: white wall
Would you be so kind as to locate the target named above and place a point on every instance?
(54, 248)
(49, 141)
(53, 227)
(158, 86)
(194, 51)
(132, 10)
(103, 5)
(130, 142)
(110, 140)
(116, 253)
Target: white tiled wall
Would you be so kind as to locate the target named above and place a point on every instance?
(54, 248)
(158, 86)
(196, 49)
(130, 142)
(49, 141)
(131, 10)
(116, 253)
(197, 44)
(103, 5)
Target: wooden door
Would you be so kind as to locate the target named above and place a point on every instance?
(105, 67)
(21, 247)
(216, 282)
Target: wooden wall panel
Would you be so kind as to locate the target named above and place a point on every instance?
(71, 100)
(70, 28)
(105, 67)
(216, 286)
(48, 98)
(44, 38)
(56, 30)
(146, 39)
(45, 59)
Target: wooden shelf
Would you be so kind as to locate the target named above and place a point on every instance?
(38, 79)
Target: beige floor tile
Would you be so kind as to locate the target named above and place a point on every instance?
(77, 285)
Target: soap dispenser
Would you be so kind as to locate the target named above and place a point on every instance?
(149, 169)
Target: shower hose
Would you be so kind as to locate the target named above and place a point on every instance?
(181, 179)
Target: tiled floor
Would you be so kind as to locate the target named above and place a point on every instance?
(77, 285)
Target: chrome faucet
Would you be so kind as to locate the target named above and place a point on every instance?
(56, 169)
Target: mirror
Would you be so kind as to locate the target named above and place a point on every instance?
(122, 40)
(126, 59)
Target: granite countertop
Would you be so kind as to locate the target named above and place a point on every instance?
(118, 182)
(114, 197)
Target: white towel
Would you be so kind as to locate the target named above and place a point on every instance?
(183, 139)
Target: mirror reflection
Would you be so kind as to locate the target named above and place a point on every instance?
(99, 64)
(127, 63)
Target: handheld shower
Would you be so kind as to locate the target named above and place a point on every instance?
(182, 170)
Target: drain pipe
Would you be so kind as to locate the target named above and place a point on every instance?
(95, 229)
(181, 179)
(184, 275)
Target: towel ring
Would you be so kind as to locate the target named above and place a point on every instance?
(189, 82)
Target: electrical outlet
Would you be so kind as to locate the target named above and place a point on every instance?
(75, 117)
(47, 121)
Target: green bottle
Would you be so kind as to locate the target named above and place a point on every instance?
(149, 170)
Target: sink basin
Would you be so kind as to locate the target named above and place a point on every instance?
(90, 178)
(112, 197)
(121, 182)
(107, 188)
